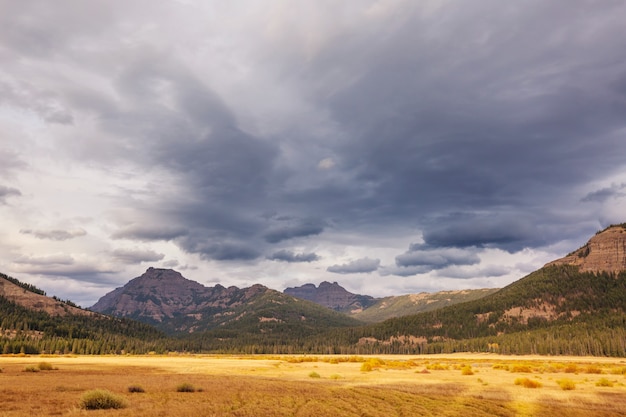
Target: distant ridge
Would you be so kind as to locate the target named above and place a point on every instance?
(177, 305)
(333, 296)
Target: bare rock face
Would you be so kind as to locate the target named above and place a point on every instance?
(331, 295)
(606, 251)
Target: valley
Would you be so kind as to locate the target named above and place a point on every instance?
(304, 385)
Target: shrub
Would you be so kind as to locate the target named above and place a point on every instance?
(521, 368)
(314, 375)
(467, 370)
(100, 399)
(593, 369)
(603, 382)
(566, 384)
(437, 367)
(571, 368)
(136, 388)
(46, 366)
(185, 387)
(336, 376)
(528, 383)
(31, 369)
(366, 367)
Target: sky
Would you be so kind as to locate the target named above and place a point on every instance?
(392, 146)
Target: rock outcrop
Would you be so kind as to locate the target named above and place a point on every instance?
(606, 251)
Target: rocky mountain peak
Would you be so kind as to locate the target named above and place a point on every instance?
(331, 295)
(606, 251)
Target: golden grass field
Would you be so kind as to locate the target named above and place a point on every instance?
(337, 386)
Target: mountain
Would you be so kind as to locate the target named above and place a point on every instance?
(574, 305)
(31, 322)
(32, 298)
(332, 296)
(176, 305)
(405, 305)
(605, 252)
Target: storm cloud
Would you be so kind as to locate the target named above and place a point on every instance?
(227, 136)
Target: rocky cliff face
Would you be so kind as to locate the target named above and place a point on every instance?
(606, 251)
(332, 295)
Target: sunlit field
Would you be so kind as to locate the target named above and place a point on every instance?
(199, 385)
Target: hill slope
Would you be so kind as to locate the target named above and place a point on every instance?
(410, 304)
(30, 322)
(176, 305)
(558, 296)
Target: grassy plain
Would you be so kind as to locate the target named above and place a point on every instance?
(338, 386)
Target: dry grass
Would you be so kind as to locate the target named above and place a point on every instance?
(282, 386)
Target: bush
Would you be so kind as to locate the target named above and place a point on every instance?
(46, 366)
(336, 376)
(521, 368)
(603, 382)
(592, 369)
(571, 368)
(528, 383)
(100, 399)
(31, 369)
(566, 384)
(467, 370)
(136, 388)
(366, 367)
(314, 375)
(185, 387)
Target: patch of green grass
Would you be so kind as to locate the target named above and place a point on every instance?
(100, 399)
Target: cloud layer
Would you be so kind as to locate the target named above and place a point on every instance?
(228, 136)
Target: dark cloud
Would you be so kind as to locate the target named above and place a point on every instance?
(6, 192)
(219, 250)
(474, 124)
(364, 265)
(436, 258)
(58, 235)
(289, 256)
(291, 229)
(136, 256)
(603, 194)
(146, 232)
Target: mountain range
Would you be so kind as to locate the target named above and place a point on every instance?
(573, 305)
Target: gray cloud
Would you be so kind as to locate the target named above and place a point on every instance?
(148, 232)
(364, 265)
(290, 256)
(293, 229)
(221, 250)
(436, 258)
(6, 192)
(136, 256)
(603, 194)
(475, 125)
(55, 234)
